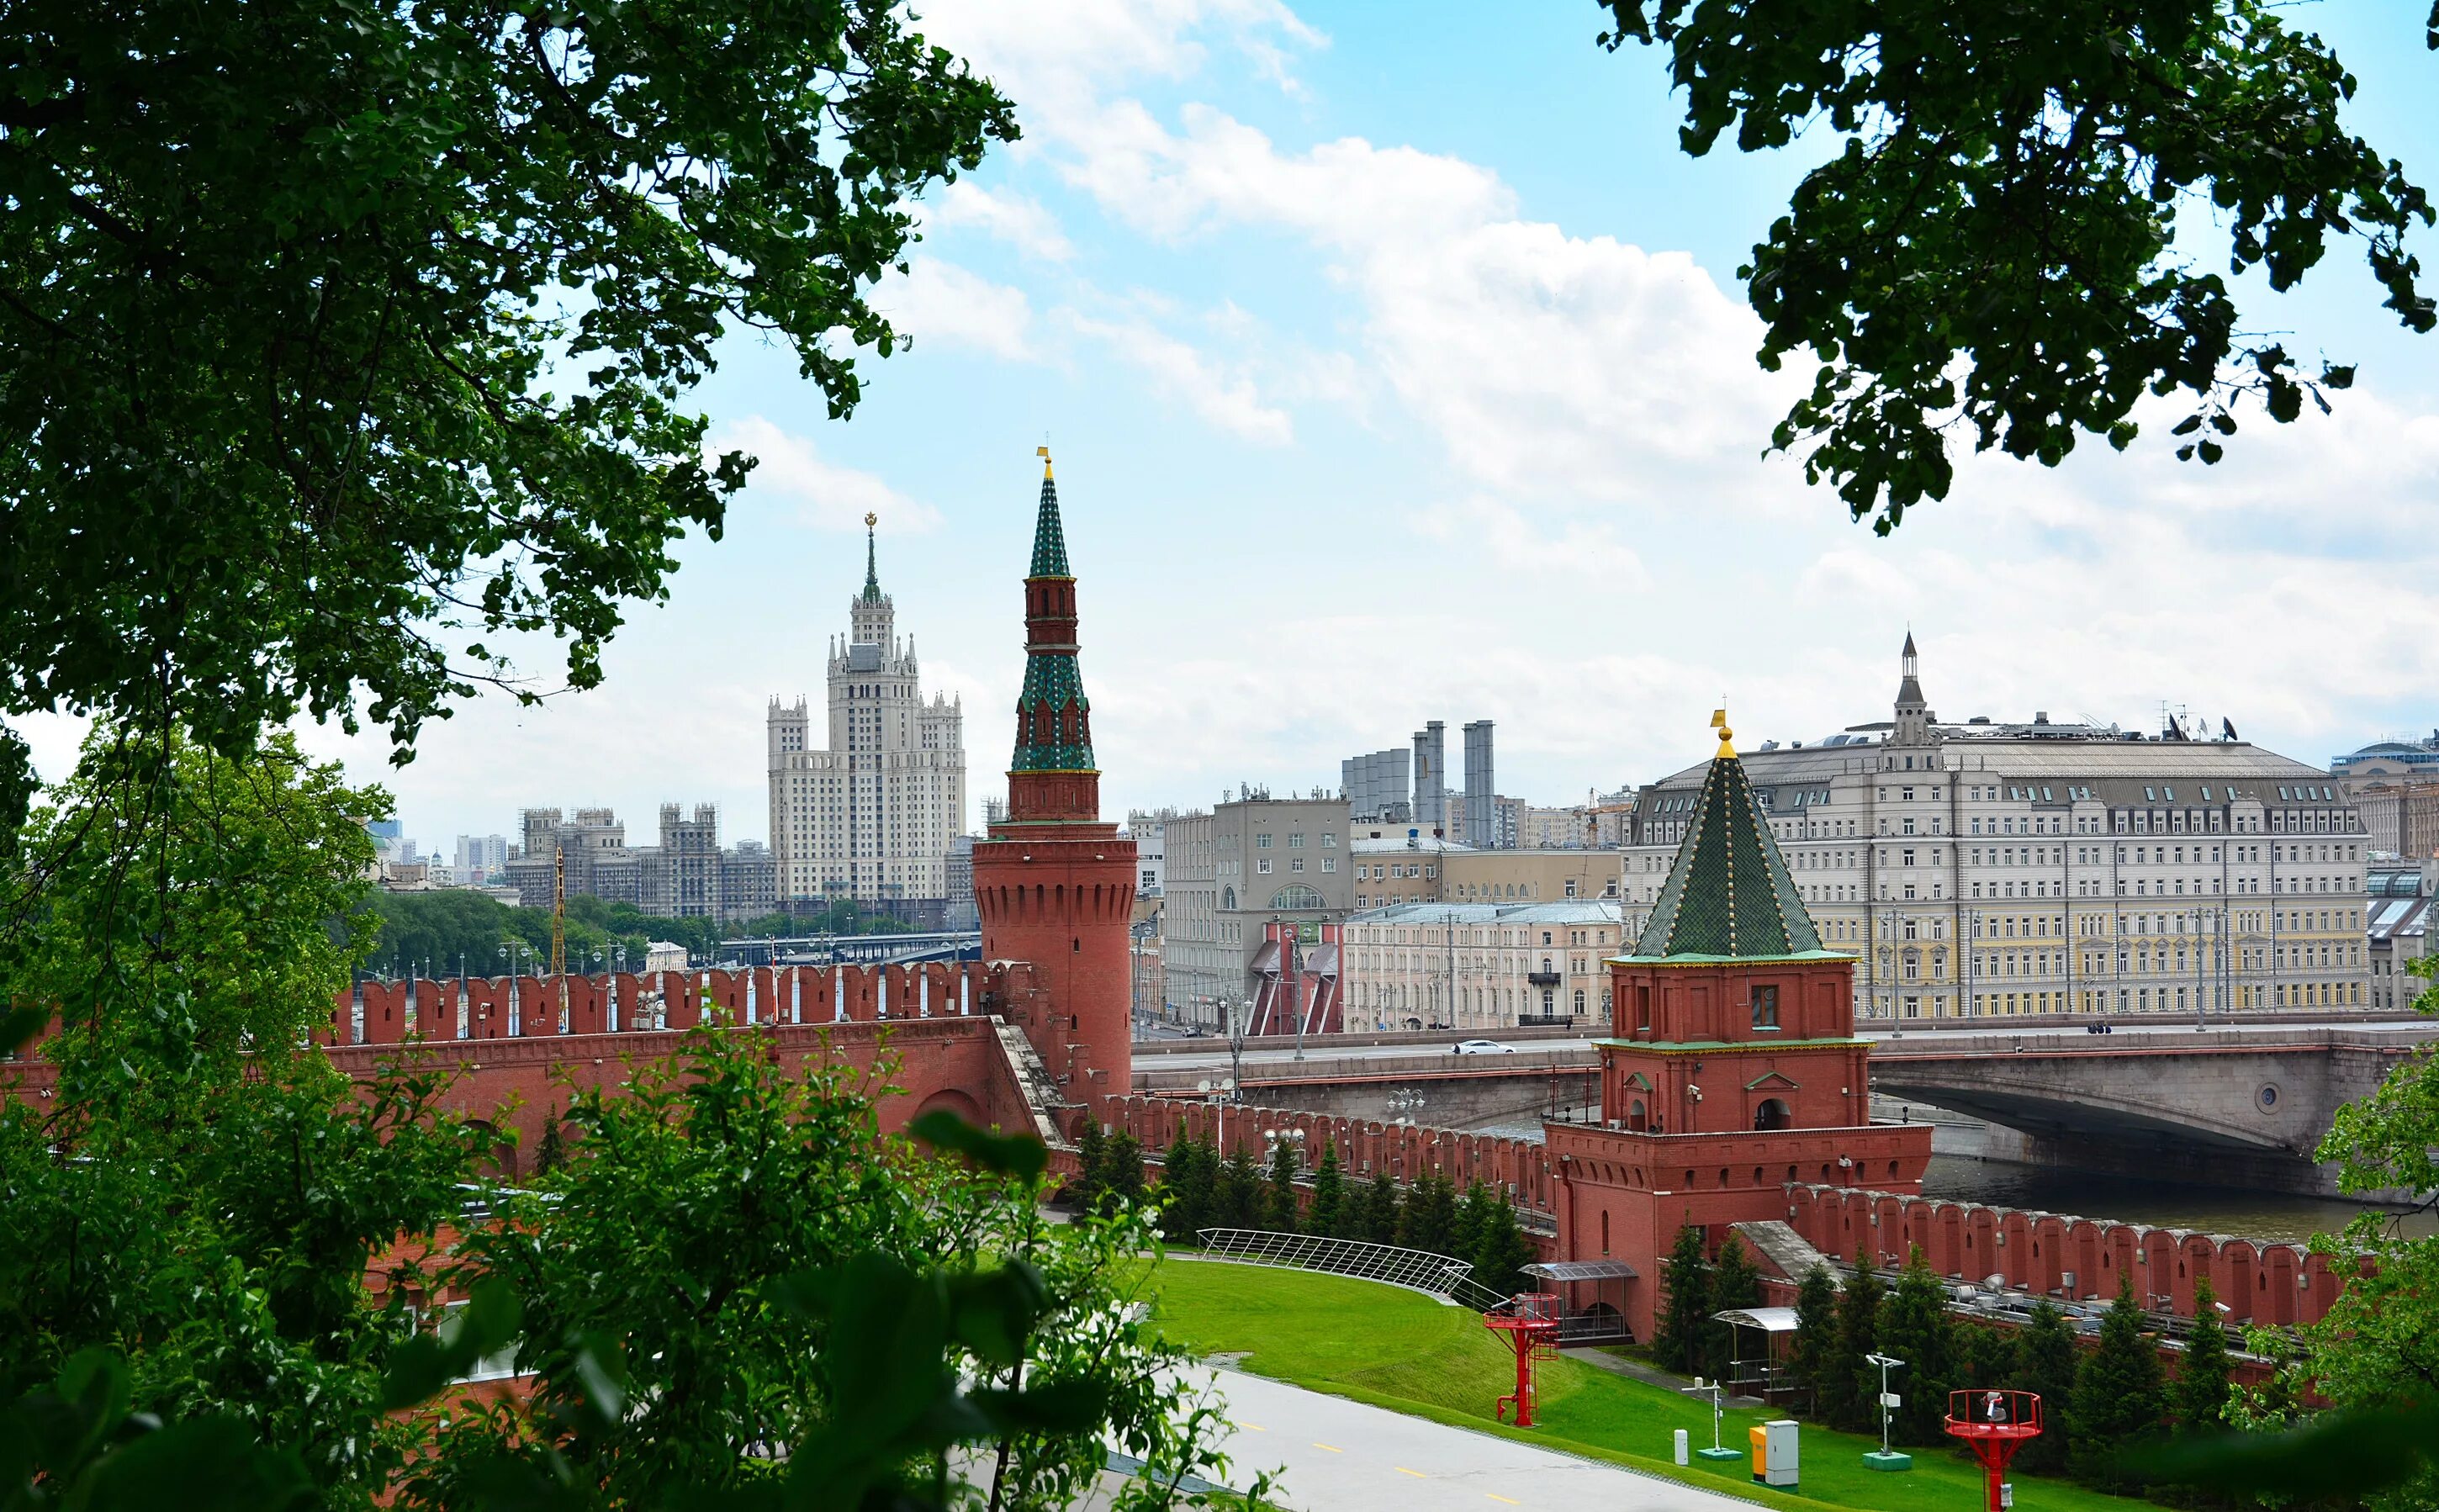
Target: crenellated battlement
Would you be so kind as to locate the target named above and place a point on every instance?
(625, 1002)
(2069, 1257)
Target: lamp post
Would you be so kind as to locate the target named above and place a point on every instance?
(1886, 1459)
(1403, 1104)
(516, 1009)
(1231, 1015)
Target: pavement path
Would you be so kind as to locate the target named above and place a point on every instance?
(1340, 1456)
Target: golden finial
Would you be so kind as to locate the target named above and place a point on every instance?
(1719, 722)
(870, 520)
(1043, 452)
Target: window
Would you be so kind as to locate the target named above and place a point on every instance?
(1328, 864)
(1261, 842)
(1297, 865)
(1328, 840)
(1765, 1007)
(1263, 865)
(1297, 896)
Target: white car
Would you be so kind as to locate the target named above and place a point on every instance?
(1481, 1047)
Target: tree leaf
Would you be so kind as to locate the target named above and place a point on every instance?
(1018, 1155)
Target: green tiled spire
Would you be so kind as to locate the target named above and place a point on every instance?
(1049, 540)
(871, 561)
(1729, 896)
(1054, 719)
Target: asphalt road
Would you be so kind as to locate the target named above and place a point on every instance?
(1340, 1456)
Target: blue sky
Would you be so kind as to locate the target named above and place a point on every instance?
(1395, 368)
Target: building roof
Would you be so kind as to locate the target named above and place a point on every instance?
(1571, 911)
(1728, 895)
(1049, 537)
(1049, 737)
(2078, 760)
(1420, 845)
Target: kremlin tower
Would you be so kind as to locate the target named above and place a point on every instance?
(1054, 882)
(1732, 1067)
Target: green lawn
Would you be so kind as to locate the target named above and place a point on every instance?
(1400, 1349)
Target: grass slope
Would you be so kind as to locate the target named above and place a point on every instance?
(1398, 1349)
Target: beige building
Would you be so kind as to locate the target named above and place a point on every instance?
(1534, 876)
(1394, 866)
(869, 812)
(1480, 966)
(2395, 786)
(1229, 872)
(1992, 869)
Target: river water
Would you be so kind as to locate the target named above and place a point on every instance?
(2241, 1212)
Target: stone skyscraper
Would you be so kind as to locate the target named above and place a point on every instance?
(871, 812)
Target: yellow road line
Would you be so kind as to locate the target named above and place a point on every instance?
(1509, 1500)
(1332, 1447)
(1416, 1475)
(1256, 1427)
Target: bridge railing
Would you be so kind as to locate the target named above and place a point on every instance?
(1416, 1269)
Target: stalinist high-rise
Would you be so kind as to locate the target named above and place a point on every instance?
(869, 815)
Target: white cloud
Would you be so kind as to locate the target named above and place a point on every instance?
(827, 497)
(1224, 398)
(1010, 217)
(940, 303)
(1494, 533)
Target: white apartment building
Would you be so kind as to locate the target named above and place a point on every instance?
(1992, 869)
(870, 812)
(1480, 966)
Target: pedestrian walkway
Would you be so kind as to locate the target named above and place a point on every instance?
(1335, 1455)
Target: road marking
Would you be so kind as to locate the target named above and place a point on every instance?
(1509, 1500)
(1256, 1427)
(1332, 1447)
(1416, 1475)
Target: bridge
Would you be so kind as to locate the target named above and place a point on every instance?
(853, 950)
(2243, 1103)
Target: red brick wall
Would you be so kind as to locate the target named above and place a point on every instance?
(2268, 1283)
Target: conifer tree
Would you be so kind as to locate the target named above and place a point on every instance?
(1092, 1164)
(1917, 1329)
(1184, 1190)
(1816, 1330)
(1473, 1220)
(1329, 1194)
(1503, 1252)
(1238, 1199)
(1686, 1279)
(2118, 1396)
(1381, 1213)
(1849, 1389)
(2200, 1398)
(2045, 1362)
(1735, 1283)
(1985, 1356)
(1122, 1173)
(1429, 1221)
(551, 1154)
(1279, 1206)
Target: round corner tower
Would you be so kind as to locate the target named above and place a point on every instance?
(1054, 883)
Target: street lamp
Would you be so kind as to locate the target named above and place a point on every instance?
(1404, 1103)
(1888, 1398)
(1235, 1020)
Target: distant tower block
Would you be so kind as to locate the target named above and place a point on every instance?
(1054, 883)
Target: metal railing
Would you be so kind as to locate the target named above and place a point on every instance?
(1439, 1275)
